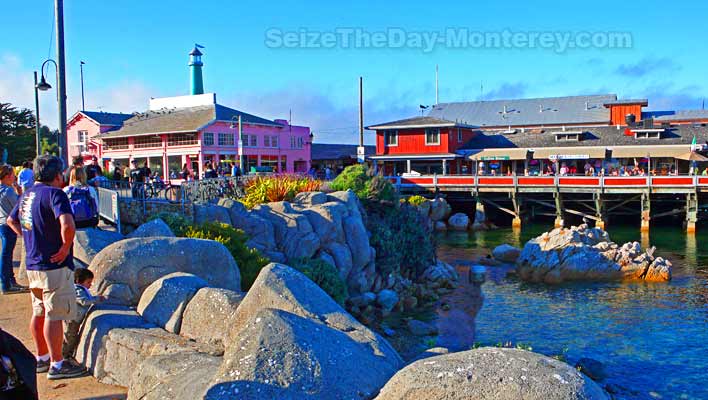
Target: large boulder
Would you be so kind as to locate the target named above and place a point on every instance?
(124, 269)
(387, 299)
(289, 337)
(176, 376)
(459, 222)
(506, 253)
(211, 213)
(441, 273)
(90, 241)
(491, 373)
(439, 209)
(308, 199)
(156, 227)
(342, 257)
(163, 302)
(293, 232)
(210, 315)
(280, 355)
(587, 254)
(358, 241)
(326, 221)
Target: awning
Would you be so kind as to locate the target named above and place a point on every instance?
(692, 156)
(500, 154)
(651, 151)
(569, 153)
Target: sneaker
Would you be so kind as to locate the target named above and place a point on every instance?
(12, 290)
(43, 366)
(21, 287)
(67, 370)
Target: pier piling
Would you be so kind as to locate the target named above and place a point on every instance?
(646, 211)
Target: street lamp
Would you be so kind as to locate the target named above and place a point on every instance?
(43, 85)
(236, 124)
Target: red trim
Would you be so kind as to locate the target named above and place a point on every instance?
(703, 181)
(625, 181)
(579, 181)
(496, 181)
(536, 181)
(417, 181)
(456, 181)
(656, 181)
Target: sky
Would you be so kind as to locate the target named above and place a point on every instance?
(281, 58)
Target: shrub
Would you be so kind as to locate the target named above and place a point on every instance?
(178, 223)
(250, 262)
(265, 189)
(357, 178)
(416, 200)
(325, 275)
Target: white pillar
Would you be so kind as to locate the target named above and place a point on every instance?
(408, 166)
(444, 167)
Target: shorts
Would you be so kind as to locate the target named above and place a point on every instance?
(58, 297)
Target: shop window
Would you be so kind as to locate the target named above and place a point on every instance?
(208, 138)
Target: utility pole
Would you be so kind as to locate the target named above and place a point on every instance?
(437, 98)
(83, 106)
(61, 84)
(360, 151)
(36, 107)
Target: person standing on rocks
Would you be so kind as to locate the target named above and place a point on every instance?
(43, 217)
(9, 192)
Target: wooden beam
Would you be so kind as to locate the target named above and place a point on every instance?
(633, 198)
(508, 211)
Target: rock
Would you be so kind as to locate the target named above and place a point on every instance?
(294, 235)
(343, 259)
(506, 253)
(211, 213)
(410, 303)
(586, 254)
(439, 209)
(210, 315)
(480, 218)
(349, 198)
(440, 226)
(309, 199)
(326, 257)
(387, 299)
(173, 376)
(459, 222)
(424, 208)
(432, 352)
(234, 207)
(90, 241)
(127, 348)
(326, 221)
(164, 301)
(490, 373)
(99, 322)
(362, 300)
(156, 227)
(442, 273)
(592, 368)
(420, 328)
(133, 264)
(358, 241)
(280, 355)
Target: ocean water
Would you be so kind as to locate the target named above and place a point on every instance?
(651, 337)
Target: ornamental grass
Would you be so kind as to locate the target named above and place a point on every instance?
(284, 187)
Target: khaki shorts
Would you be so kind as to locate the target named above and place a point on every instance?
(58, 297)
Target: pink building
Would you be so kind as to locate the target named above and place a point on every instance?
(193, 129)
(84, 126)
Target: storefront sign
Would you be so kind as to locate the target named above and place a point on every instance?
(494, 158)
(569, 157)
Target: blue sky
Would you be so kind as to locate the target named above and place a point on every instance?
(138, 49)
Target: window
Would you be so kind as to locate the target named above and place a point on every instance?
(226, 139)
(274, 141)
(116, 144)
(83, 141)
(142, 142)
(208, 138)
(292, 142)
(432, 137)
(254, 141)
(390, 138)
(244, 139)
(567, 137)
(266, 141)
(459, 134)
(299, 142)
(647, 134)
(182, 139)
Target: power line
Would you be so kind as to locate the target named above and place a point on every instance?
(51, 34)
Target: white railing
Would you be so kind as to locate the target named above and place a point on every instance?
(108, 206)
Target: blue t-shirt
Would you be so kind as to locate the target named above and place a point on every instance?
(38, 212)
(26, 178)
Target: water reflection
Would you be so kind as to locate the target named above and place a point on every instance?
(652, 337)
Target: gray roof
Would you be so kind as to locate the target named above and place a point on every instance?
(415, 122)
(678, 115)
(190, 119)
(327, 151)
(106, 118)
(600, 136)
(628, 101)
(528, 112)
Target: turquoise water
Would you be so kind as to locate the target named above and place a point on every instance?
(652, 338)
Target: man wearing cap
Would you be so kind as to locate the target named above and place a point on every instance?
(93, 170)
(137, 180)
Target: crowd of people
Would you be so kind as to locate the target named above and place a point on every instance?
(589, 169)
(44, 204)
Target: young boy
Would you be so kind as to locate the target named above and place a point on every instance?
(83, 279)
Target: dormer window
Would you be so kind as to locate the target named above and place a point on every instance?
(432, 136)
(647, 133)
(390, 138)
(568, 136)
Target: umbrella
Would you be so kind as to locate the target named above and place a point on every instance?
(692, 156)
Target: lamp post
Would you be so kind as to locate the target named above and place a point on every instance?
(36, 107)
(239, 133)
(43, 85)
(83, 106)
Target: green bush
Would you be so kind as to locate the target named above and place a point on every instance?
(357, 178)
(250, 262)
(178, 223)
(324, 275)
(403, 241)
(416, 200)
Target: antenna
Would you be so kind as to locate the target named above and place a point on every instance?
(361, 111)
(437, 98)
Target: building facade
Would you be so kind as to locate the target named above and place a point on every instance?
(84, 128)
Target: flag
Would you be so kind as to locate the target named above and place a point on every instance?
(693, 143)
(199, 46)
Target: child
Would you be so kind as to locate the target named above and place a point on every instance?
(83, 278)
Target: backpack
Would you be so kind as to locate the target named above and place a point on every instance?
(82, 204)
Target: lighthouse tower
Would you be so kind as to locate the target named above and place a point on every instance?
(195, 67)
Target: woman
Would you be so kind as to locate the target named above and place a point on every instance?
(9, 193)
(185, 172)
(83, 198)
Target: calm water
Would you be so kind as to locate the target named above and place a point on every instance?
(652, 338)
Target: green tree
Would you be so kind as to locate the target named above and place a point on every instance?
(49, 147)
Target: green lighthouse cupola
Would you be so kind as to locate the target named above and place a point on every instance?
(195, 67)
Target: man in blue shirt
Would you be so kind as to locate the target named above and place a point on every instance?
(44, 219)
(26, 176)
